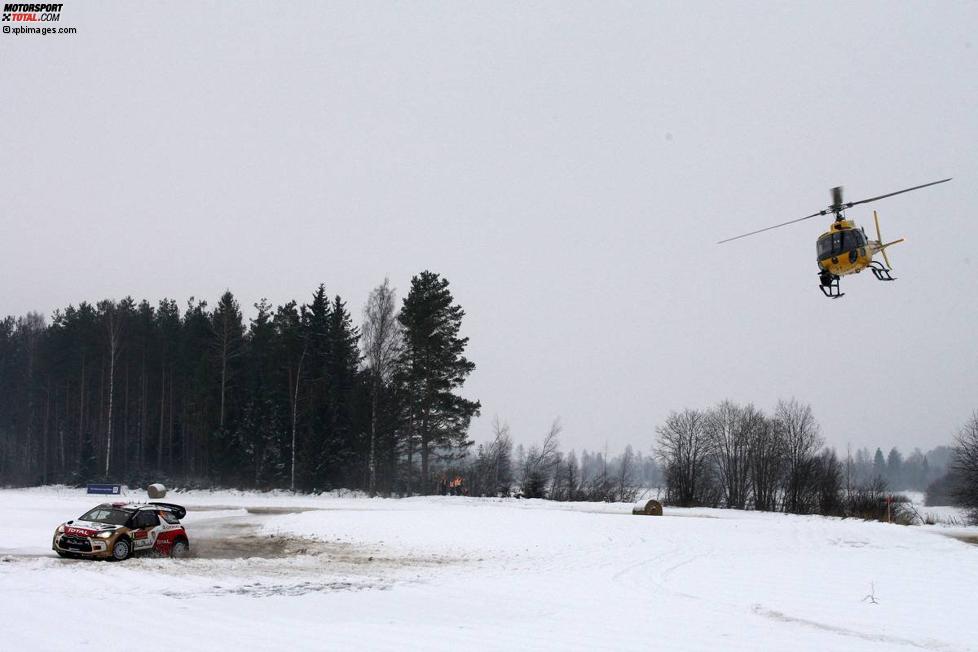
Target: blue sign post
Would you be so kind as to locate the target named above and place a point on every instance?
(105, 489)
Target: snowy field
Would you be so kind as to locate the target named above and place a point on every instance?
(282, 572)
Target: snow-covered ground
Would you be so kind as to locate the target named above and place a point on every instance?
(276, 571)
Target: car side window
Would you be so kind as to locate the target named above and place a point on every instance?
(170, 518)
(147, 519)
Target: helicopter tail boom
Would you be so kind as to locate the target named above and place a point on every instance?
(883, 251)
(881, 245)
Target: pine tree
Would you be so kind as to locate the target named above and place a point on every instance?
(168, 329)
(142, 345)
(228, 328)
(341, 364)
(894, 469)
(879, 464)
(228, 335)
(200, 380)
(314, 411)
(260, 433)
(292, 347)
(434, 368)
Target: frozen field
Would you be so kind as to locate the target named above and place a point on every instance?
(277, 572)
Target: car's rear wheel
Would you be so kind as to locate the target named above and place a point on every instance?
(179, 549)
(120, 549)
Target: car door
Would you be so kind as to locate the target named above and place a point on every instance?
(145, 528)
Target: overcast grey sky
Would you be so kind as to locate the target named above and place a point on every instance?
(569, 168)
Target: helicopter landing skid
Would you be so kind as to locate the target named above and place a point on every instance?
(880, 271)
(829, 285)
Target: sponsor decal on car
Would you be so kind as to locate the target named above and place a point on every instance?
(79, 532)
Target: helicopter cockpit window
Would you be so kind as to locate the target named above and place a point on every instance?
(840, 242)
(832, 245)
(825, 248)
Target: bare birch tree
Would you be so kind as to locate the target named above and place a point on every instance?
(726, 428)
(295, 411)
(382, 345)
(684, 449)
(113, 327)
(766, 453)
(802, 441)
(540, 463)
(499, 453)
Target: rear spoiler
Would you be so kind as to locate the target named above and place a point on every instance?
(177, 510)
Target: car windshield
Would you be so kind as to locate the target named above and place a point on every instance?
(106, 515)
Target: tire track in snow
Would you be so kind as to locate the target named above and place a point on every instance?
(929, 644)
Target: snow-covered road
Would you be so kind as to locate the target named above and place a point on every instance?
(275, 571)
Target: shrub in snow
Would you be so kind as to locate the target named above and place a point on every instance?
(940, 492)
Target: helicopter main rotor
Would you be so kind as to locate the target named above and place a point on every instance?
(837, 207)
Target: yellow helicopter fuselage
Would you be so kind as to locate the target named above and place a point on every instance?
(844, 249)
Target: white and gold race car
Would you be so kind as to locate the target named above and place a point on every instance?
(117, 530)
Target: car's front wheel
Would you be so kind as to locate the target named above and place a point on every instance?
(120, 549)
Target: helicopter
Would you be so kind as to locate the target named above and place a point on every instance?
(844, 249)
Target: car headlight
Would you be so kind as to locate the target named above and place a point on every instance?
(60, 530)
(104, 535)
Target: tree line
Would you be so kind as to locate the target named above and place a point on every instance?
(914, 472)
(298, 397)
(542, 470)
(737, 456)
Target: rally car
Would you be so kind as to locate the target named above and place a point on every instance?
(117, 530)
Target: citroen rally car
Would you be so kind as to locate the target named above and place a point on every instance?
(117, 530)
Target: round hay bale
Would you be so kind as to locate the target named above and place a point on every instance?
(156, 490)
(650, 508)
